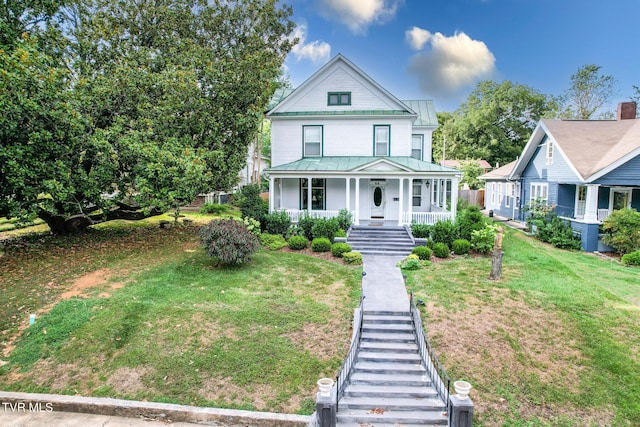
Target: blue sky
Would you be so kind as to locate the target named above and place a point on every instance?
(440, 49)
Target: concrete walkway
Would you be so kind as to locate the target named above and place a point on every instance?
(383, 285)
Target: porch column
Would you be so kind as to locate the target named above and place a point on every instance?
(410, 204)
(454, 197)
(280, 191)
(272, 183)
(347, 185)
(357, 209)
(309, 192)
(400, 200)
(591, 209)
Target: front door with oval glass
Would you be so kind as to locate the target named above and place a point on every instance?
(377, 201)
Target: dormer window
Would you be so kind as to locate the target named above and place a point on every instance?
(339, 98)
(549, 152)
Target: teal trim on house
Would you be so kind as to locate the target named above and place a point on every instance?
(375, 127)
(343, 113)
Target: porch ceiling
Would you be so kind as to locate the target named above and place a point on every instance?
(364, 164)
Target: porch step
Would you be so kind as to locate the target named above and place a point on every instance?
(380, 240)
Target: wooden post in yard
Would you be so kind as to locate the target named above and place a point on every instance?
(496, 257)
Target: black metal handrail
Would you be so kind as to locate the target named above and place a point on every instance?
(439, 377)
(345, 372)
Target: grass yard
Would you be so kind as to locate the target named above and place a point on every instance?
(141, 313)
(556, 342)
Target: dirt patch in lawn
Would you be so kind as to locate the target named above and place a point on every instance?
(128, 381)
(510, 339)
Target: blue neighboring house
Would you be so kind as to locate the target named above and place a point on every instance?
(585, 168)
(501, 195)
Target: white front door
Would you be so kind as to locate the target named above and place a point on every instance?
(377, 200)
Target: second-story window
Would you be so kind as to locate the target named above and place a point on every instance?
(339, 98)
(416, 146)
(381, 135)
(312, 141)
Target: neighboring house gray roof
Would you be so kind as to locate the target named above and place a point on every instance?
(501, 173)
(592, 147)
(425, 110)
(458, 163)
(353, 163)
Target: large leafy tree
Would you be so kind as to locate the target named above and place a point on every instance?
(161, 102)
(495, 122)
(588, 93)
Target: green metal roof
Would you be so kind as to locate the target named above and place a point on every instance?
(426, 112)
(351, 163)
(344, 113)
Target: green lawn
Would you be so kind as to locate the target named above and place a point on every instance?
(161, 323)
(555, 342)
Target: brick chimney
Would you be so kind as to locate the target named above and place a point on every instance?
(626, 111)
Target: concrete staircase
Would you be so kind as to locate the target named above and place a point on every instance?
(388, 385)
(380, 240)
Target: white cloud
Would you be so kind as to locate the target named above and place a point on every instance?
(316, 51)
(417, 37)
(451, 64)
(359, 14)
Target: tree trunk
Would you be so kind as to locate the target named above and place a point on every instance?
(496, 265)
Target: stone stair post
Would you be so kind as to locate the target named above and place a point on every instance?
(326, 409)
(460, 412)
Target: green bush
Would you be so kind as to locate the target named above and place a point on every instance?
(482, 240)
(337, 249)
(558, 232)
(272, 241)
(461, 246)
(352, 258)
(321, 244)
(622, 230)
(423, 252)
(632, 258)
(344, 219)
(277, 223)
(214, 208)
(228, 240)
(469, 220)
(444, 232)
(412, 262)
(341, 233)
(420, 231)
(306, 223)
(253, 225)
(298, 243)
(251, 205)
(325, 227)
(441, 250)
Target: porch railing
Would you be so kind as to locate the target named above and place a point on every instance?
(295, 214)
(438, 376)
(425, 217)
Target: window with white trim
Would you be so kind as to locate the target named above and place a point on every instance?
(381, 135)
(339, 98)
(549, 158)
(318, 192)
(312, 141)
(493, 193)
(417, 193)
(500, 187)
(581, 201)
(539, 192)
(507, 194)
(416, 146)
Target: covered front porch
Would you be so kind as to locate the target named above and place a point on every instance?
(381, 191)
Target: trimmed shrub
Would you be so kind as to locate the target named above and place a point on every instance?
(410, 263)
(325, 227)
(344, 219)
(441, 250)
(444, 232)
(632, 258)
(306, 223)
(423, 252)
(420, 231)
(214, 208)
(277, 223)
(253, 225)
(461, 246)
(298, 243)
(622, 230)
(469, 220)
(354, 258)
(228, 241)
(321, 244)
(341, 233)
(482, 240)
(557, 232)
(251, 205)
(272, 241)
(337, 249)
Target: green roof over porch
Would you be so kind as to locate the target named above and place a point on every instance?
(352, 163)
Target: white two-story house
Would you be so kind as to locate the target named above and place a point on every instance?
(341, 141)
